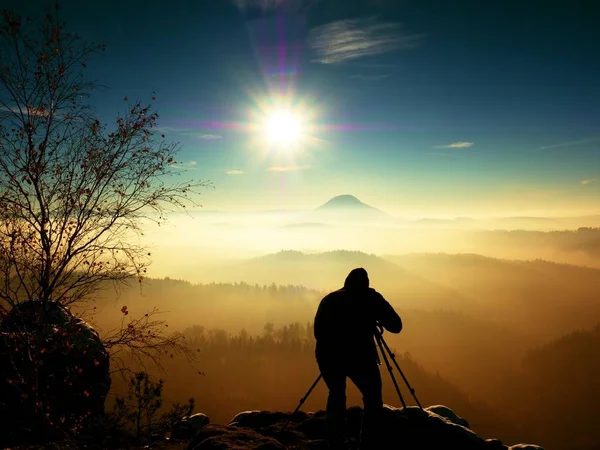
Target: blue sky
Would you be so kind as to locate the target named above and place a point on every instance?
(429, 106)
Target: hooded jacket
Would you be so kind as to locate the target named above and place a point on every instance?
(346, 321)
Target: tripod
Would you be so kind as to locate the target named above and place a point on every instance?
(383, 348)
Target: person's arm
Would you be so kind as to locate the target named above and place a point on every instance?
(321, 318)
(386, 316)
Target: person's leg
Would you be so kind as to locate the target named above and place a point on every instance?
(368, 381)
(335, 379)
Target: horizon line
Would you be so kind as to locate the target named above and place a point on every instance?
(408, 216)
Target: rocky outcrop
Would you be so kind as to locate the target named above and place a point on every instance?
(401, 428)
(219, 437)
(188, 426)
(54, 370)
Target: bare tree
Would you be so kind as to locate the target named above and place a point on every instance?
(74, 192)
(144, 340)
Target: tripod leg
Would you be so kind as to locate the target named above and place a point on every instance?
(302, 400)
(410, 388)
(387, 363)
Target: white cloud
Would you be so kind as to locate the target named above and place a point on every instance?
(186, 165)
(287, 168)
(570, 144)
(457, 145)
(207, 137)
(189, 132)
(588, 181)
(27, 110)
(345, 40)
(235, 172)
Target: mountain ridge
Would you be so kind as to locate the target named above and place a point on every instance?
(348, 209)
(345, 201)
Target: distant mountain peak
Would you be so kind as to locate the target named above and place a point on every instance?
(345, 201)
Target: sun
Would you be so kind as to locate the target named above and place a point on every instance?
(283, 127)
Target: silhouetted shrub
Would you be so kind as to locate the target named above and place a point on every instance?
(136, 418)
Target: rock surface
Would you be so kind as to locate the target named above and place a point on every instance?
(401, 428)
(189, 426)
(219, 437)
(54, 371)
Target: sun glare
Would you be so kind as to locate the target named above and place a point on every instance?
(283, 127)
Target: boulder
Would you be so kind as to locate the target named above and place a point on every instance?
(218, 437)
(188, 427)
(495, 444)
(446, 412)
(400, 428)
(54, 368)
(259, 419)
(525, 447)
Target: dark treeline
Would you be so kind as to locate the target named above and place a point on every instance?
(550, 397)
(500, 345)
(561, 389)
(274, 369)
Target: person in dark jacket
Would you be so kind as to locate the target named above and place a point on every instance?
(344, 329)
